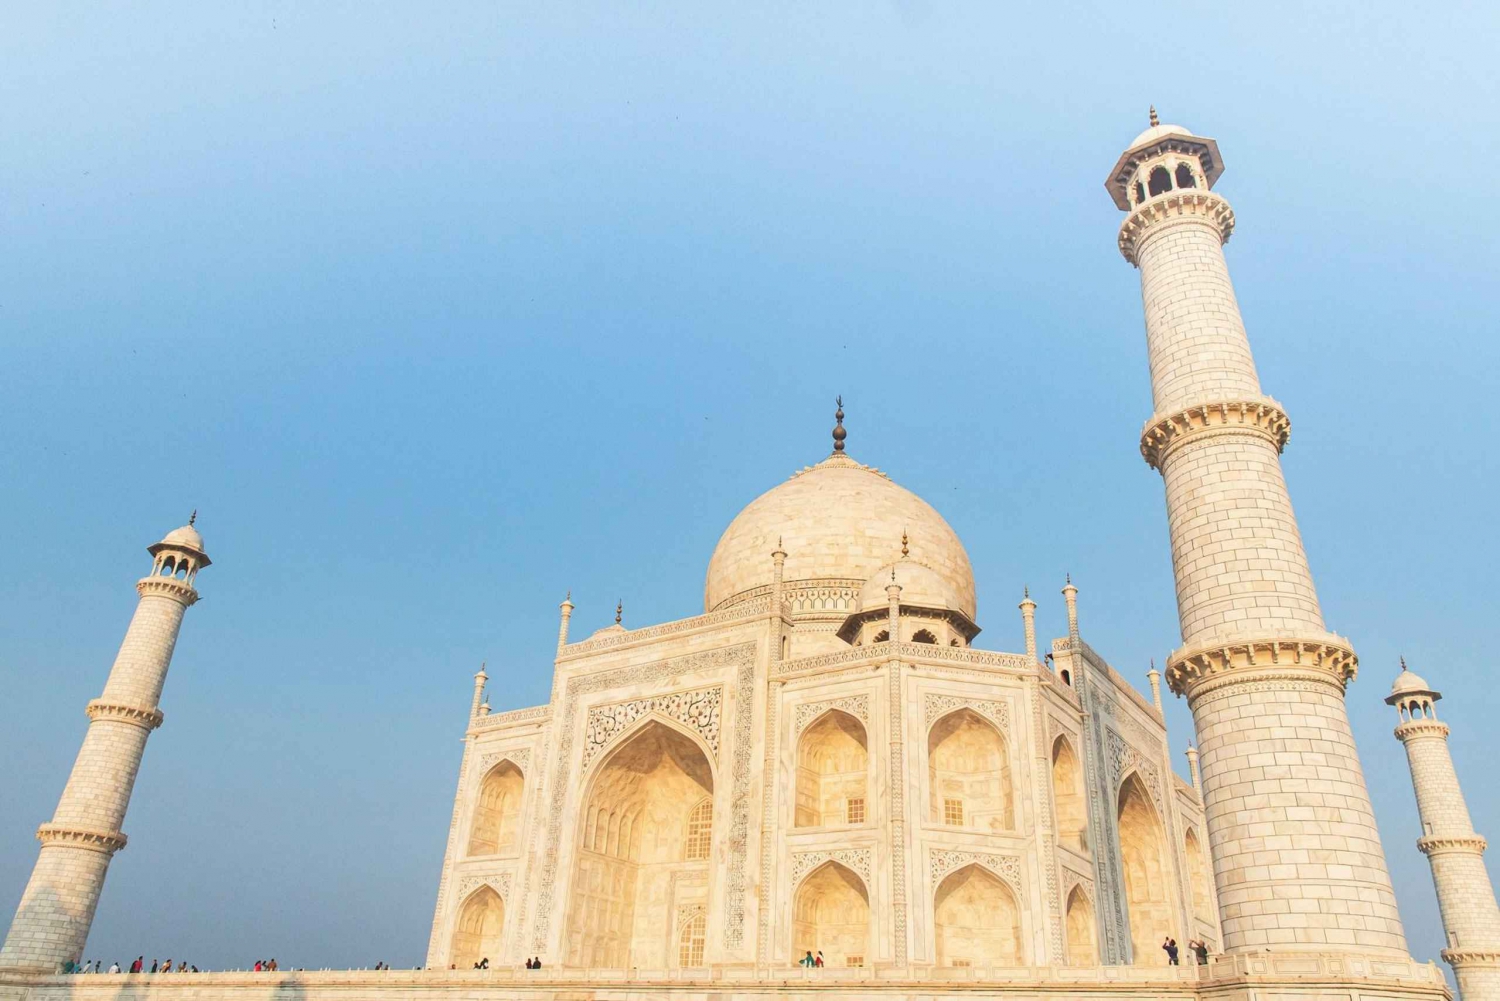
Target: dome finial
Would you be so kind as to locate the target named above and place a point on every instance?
(905, 550)
(619, 610)
(839, 434)
(1154, 120)
(193, 517)
(1403, 663)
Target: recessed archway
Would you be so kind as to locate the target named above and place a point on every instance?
(1067, 793)
(1197, 867)
(833, 765)
(1143, 856)
(476, 935)
(495, 829)
(968, 773)
(976, 920)
(1083, 947)
(637, 836)
(831, 915)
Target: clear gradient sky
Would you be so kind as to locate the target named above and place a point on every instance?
(434, 312)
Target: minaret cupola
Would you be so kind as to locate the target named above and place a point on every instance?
(180, 553)
(1162, 160)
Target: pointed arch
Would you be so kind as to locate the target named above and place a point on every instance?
(1159, 182)
(495, 827)
(1069, 796)
(478, 931)
(642, 793)
(691, 939)
(968, 773)
(1197, 866)
(831, 915)
(833, 765)
(1078, 919)
(976, 920)
(1143, 857)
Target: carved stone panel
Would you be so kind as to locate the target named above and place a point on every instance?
(857, 859)
(936, 706)
(698, 710)
(857, 706)
(942, 861)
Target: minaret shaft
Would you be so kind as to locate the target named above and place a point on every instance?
(57, 908)
(1297, 858)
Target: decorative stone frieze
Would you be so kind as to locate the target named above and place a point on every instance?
(935, 706)
(496, 721)
(498, 881)
(166, 587)
(1262, 418)
(698, 710)
(720, 616)
(108, 842)
(1418, 729)
(857, 706)
(856, 859)
(141, 716)
(1198, 671)
(1192, 205)
(518, 756)
(942, 861)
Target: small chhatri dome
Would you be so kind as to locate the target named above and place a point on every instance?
(1409, 682)
(840, 523)
(187, 537)
(921, 586)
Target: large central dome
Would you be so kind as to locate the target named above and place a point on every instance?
(836, 521)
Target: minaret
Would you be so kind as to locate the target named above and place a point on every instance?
(1297, 857)
(52, 922)
(1466, 897)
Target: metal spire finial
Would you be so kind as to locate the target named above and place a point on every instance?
(1154, 120)
(1026, 590)
(619, 610)
(1068, 578)
(905, 550)
(193, 517)
(1403, 663)
(839, 434)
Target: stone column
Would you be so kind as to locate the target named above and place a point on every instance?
(1192, 756)
(1466, 898)
(1028, 622)
(52, 922)
(1297, 857)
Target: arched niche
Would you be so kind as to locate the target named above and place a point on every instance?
(1143, 856)
(831, 915)
(833, 765)
(1069, 796)
(635, 835)
(968, 773)
(976, 920)
(495, 829)
(476, 935)
(1197, 866)
(1078, 919)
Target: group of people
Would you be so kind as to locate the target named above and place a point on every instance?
(533, 963)
(139, 966)
(811, 960)
(1197, 947)
(266, 966)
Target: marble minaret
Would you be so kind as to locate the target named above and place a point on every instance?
(1297, 857)
(52, 922)
(1466, 897)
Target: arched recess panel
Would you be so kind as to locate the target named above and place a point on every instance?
(495, 829)
(476, 936)
(833, 766)
(1197, 866)
(831, 915)
(1068, 794)
(1143, 855)
(976, 920)
(1083, 942)
(968, 774)
(635, 837)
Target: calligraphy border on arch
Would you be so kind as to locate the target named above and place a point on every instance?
(696, 708)
(741, 656)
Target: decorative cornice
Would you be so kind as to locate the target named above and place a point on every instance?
(1261, 417)
(1197, 671)
(108, 842)
(534, 714)
(720, 615)
(1471, 957)
(803, 596)
(166, 587)
(1471, 844)
(1414, 728)
(932, 653)
(147, 719)
(1158, 213)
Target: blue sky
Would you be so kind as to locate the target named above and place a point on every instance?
(437, 313)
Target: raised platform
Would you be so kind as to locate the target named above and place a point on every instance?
(1255, 977)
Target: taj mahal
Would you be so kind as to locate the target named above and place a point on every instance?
(831, 761)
